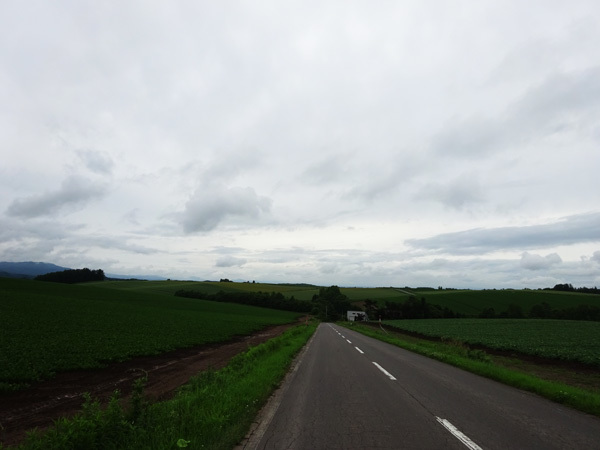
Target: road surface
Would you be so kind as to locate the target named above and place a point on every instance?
(349, 391)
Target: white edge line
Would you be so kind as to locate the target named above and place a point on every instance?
(392, 377)
(359, 350)
(458, 434)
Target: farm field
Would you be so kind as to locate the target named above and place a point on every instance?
(301, 292)
(298, 291)
(472, 302)
(568, 340)
(51, 327)
(468, 302)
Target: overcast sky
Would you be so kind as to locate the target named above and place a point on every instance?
(419, 143)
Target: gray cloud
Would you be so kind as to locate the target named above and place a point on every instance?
(229, 261)
(537, 262)
(98, 162)
(542, 110)
(455, 194)
(332, 169)
(123, 243)
(74, 191)
(570, 230)
(307, 148)
(210, 206)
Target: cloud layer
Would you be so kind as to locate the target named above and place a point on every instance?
(408, 144)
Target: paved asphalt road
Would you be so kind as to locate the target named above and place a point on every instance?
(349, 391)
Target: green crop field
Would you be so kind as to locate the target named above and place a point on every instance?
(300, 292)
(471, 303)
(51, 327)
(558, 339)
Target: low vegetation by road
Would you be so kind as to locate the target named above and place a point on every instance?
(52, 327)
(566, 340)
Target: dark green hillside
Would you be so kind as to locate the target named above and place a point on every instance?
(169, 287)
(50, 327)
(466, 302)
(472, 303)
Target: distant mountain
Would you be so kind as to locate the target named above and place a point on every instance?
(28, 269)
(33, 269)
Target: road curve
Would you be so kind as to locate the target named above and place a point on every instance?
(349, 391)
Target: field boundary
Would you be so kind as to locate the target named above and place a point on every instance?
(478, 362)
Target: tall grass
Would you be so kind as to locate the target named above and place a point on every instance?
(476, 361)
(213, 411)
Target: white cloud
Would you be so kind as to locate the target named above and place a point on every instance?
(98, 162)
(458, 193)
(581, 228)
(412, 143)
(537, 262)
(209, 206)
(561, 102)
(73, 192)
(229, 261)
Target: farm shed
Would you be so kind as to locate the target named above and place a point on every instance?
(357, 316)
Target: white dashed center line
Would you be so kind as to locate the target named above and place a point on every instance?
(458, 434)
(389, 375)
(359, 350)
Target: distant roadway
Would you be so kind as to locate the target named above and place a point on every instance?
(349, 391)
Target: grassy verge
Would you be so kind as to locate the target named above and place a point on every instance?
(213, 411)
(480, 363)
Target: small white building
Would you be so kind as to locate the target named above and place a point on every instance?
(356, 316)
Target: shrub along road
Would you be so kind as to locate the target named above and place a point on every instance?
(353, 392)
(62, 396)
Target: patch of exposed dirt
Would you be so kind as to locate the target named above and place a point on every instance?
(40, 405)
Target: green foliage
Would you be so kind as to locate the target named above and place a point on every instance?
(274, 300)
(453, 352)
(214, 410)
(558, 339)
(95, 427)
(480, 303)
(73, 276)
(411, 308)
(51, 327)
(331, 304)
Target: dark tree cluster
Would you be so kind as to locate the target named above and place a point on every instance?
(579, 312)
(568, 287)
(73, 276)
(412, 308)
(273, 300)
(545, 311)
(330, 304)
(513, 311)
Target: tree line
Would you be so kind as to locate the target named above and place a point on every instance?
(71, 276)
(545, 311)
(273, 300)
(414, 308)
(329, 304)
(568, 287)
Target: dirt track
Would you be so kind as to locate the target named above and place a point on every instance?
(62, 396)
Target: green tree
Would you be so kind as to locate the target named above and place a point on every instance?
(331, 304)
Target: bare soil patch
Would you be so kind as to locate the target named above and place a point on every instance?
(40, 405)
